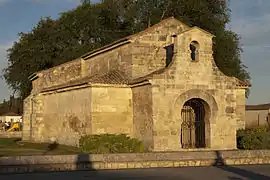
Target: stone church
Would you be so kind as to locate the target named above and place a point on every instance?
(160, 85)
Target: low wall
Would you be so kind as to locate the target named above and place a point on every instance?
(17, 134)
(22, 164)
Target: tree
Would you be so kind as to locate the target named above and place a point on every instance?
(34, 51)
(52, 42)
(90, 26)
(12, 105)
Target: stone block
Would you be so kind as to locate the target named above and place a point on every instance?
(122, 165)
(131, 165)
(229, 109)
(165, 164)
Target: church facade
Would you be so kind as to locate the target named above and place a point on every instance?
(160, 85)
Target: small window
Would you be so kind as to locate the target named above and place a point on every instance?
(194, 48)
(169, 54)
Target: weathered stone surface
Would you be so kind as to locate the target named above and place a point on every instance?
(111, 111)
(229, 109)
(58, 75)
(147, 102)
(143, 114)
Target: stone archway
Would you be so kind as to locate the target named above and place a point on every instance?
(208, 105)
(194, 123)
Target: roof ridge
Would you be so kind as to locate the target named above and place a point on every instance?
(156, 25)
(197, 27)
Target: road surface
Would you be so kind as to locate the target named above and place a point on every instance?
(251, 172)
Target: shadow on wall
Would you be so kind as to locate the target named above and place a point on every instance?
(84, 170)
(83, 161)
(247, 175)
(10, 165)
(52, 146)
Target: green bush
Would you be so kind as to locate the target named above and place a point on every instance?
(253, 138)
(110, 143)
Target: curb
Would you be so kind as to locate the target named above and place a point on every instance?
(82, 162)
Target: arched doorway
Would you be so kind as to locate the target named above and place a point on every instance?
(194, 116)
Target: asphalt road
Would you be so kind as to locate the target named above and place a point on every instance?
(254, 172)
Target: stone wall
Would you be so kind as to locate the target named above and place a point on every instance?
(148, 49)
(142, 114)
(257, 118)
(144, 58)
(58, 75)
(185, 79)
(115, 59)
(66, 116)
(23, 164)
(27, 112)
(112, 110)
(241, 108)
(32, 115)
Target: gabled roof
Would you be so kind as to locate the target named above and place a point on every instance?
(199, 29)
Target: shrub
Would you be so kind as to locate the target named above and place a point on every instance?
(253, 138)
(110, 143)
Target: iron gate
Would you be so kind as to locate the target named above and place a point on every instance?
(193, 124)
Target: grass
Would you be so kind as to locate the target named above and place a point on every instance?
(15, 147)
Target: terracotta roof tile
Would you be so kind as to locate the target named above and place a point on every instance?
(112, 77)
(243, 83)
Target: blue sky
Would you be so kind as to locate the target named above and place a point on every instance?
(250, 19)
